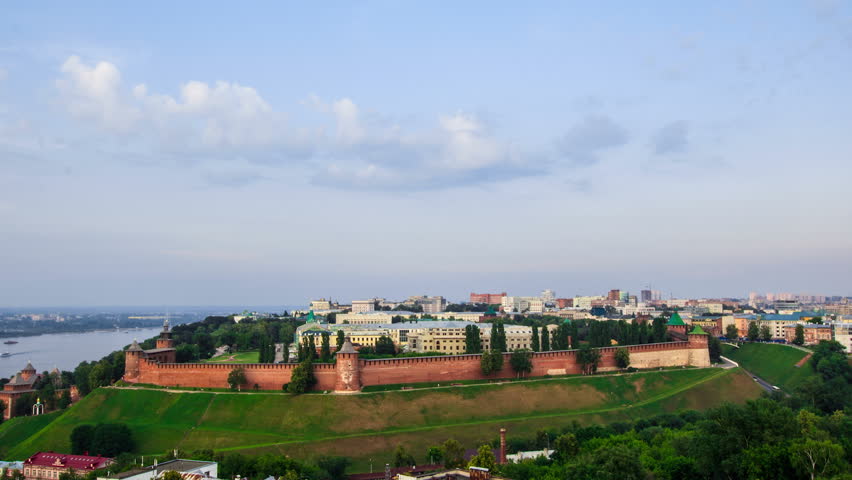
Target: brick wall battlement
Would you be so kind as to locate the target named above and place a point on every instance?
(352, 373)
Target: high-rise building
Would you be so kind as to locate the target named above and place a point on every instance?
(646, 295)
(614, 295)
(548, 295)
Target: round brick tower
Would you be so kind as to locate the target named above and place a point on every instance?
(348, 369)
(131, 361)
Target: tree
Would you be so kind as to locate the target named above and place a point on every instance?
(491, 362)
(622, 358)
(341, 338)
(100, 375)
(472, 339)
(714, 346)
(335, 467)
(385, 346)
(68, 475)
(81, 439)
(325, 349)
(302, 378)
(536, 344)
(236, 378)
(521, 361)
(731, 332)
(566, 447)
(111, 439)
(401, 458)
(753, 331)
(434, 455)
(502, 336)
(453, 454)
(545, 339)
(817, 458)
(484, 458)
(588, 358)
(171, 475)
(765, 333)
(800, 335)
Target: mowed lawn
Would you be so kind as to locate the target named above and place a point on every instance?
(772, 362)
(163, 420)
(239, 357)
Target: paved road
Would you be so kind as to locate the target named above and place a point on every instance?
(763, 383)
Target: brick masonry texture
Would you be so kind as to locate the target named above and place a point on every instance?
(350, 373)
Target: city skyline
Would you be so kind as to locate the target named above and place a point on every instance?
(350, 149)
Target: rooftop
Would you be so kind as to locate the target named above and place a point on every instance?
(77, 462)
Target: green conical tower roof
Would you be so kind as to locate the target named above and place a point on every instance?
(675, 319)
(311, 316)
(698, 331)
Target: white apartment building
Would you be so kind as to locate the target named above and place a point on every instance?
(362, 306)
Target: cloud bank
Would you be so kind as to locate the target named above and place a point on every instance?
(349, 149)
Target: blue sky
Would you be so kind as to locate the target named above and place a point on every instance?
(209, 153)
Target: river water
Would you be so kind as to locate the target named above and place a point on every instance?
(66, 350)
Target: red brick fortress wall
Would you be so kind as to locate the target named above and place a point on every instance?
(448, 368)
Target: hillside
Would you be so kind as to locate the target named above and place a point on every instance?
(772, 362)
(360, 426)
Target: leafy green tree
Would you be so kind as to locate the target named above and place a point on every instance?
(325, 349)
(485, 363)
(171, 475)
(536, 343)
(484, 458)
(753, 332)
(545, 339)
(111, 439)
(341, 338)
(434, 455)
(765, 333)
(731, 332)
(302, 379)
(401, 457)
(622, 358)
(236, 378)
(453, 454)
(588, 358)
(69, 474)
(100, 375)
(472, 339)
(335, 467)
(81, 439)
(714, 346)
(385, 346)
(566, 447)
(521, 362)
(818, 458)
(799, 339)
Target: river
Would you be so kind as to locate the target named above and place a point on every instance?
(66, 350)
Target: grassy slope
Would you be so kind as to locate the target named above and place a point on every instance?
(19, 428)
(240, 357)
(772, 362)
(363, 425)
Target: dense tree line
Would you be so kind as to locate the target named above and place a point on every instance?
(105, 439)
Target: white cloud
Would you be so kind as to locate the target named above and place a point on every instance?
(221, 119)
(202, 118)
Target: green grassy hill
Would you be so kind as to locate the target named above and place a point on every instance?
(772, 362)
(370, 425)
(17, 429)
